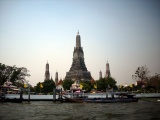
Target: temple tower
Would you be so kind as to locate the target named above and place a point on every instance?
(78, 40)
(47, 74)
(56, 78)
(78, 71)
(108, 74)
(100, 74)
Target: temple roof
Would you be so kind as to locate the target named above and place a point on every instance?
(60, 82)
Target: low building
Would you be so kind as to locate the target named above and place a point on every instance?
(9, 88)
(60, 85)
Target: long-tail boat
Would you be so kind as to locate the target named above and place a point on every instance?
(122, 98)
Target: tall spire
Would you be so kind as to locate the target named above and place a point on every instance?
(78, 40)
(47, 66)
(108, 74)
(100, 74)
(56, 78)
(47, 74)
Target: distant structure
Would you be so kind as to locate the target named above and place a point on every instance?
(60, 85)
(100, 74)
(108, 74)
(78, 71)
(51, 78)
(56, 78)
(47, 74)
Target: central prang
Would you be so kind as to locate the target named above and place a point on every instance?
(78, 71)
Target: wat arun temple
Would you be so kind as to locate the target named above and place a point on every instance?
(78, 71)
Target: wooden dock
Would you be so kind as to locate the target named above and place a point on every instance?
(59, 98)
(16, 97)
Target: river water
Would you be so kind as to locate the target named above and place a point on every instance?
(144, 109)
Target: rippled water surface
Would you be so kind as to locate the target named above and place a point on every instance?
(144, 109)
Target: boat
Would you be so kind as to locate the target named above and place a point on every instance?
(76, 100)
(124, 98)
(100, 100)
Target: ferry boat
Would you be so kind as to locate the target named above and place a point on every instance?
(122, 97)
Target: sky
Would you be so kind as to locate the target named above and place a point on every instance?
(126, 33)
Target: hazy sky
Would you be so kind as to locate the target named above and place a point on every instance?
(124, 32)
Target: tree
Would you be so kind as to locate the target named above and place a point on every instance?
(37, 88)
(19, 76)
(104, 83)
(48, 86)
(45, 87)
(67, 84)
(12, 73)
(87, 85)
(3, 75)
(153, 84)
(141, 77)
(32, 89)
(111, 83)
(141, 73)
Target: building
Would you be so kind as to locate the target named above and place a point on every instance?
(47, 74)
(78, 71)
(60, 85)
(108, 74)
(9, 88)
(56, 78)
(100, 74)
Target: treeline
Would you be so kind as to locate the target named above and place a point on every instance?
(101, 85)
(16, 75)
(145, 83)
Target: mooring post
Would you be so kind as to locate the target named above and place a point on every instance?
(112, 93)
(106, 93)
(4, 92)
(21, 94)
(61, 94)
(28, 93)
(54, 94)
(71, 93)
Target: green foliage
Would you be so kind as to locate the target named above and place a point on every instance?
(3, 77)
(141, 73)
(87, 86)
(32, 89)
(48, 86)
(37, 88)
(67, 84)
(112, 83)
(104, 83)
(153, 84)
(12, 73)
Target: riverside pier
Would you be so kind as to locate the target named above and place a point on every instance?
(57, 96)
